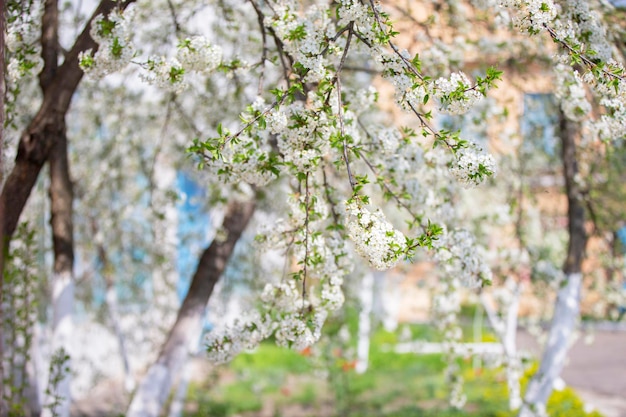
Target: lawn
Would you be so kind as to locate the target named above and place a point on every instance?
(322, 382)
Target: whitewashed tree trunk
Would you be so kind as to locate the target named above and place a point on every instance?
(61, 199)
(157, 383)
(111, 300)
(562, 328)
(165, 235)
(506, 330)
(567, 309)
(366, 296)
(36, 374)
(178, 402)
(62, 331)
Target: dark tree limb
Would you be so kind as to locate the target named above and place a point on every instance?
(3, 246)
(49, 43)
(61, 199)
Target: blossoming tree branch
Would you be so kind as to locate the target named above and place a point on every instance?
(354, 185)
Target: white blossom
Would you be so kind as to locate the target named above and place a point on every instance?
(197, 54)
(471, 166)
(374, 238)
(455, 94)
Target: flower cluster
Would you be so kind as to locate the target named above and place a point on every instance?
(304, 37)
(363, 18)
(581, 23)
(22, 43)
(374, 238)
(571, 93)
(306, 139)
(168, 74)
(295, 309)
(223, 346)
(113, 33)
(194, 54)
(460, 255)
(531, 15)
(471, 166)
(197, 54)
(455, 94)
(244, 160)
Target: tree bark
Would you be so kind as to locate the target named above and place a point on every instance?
(61, 199)
(567, 309)
(157, 383)
(3, 245)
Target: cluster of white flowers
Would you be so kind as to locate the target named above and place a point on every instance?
(571, 92)
(293, 316)
(113, 34)
(409, 95)
(243, 160)
(374, 238)
(587, 26)
(357, 12)
(284, 297)
(276, 120)
(244, 334)
(298, 332)
(610, 127)
(22, 46)
(531, 15)
(307, 139)
(199, 55)
(387, 139)
(461, 256)
(168, 74)
(295, 323)
(471, 165)
(304, 37)
(455, 94)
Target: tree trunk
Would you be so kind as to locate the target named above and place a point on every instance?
(61, 199)
(506, 330)
(157, 383)
(366, 296)
(3, 246)
(567, 307)
(38, 139)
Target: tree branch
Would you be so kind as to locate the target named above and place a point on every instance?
(49, 43)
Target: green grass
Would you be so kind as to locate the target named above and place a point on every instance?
(395, 385)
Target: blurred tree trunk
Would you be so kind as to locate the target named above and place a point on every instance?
(157, 383)
(567, 309)
(366, 298)
(506, 330)
(58, 84)
(3, 246)
(61, 199)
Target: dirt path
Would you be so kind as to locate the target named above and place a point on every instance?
(597, 370)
